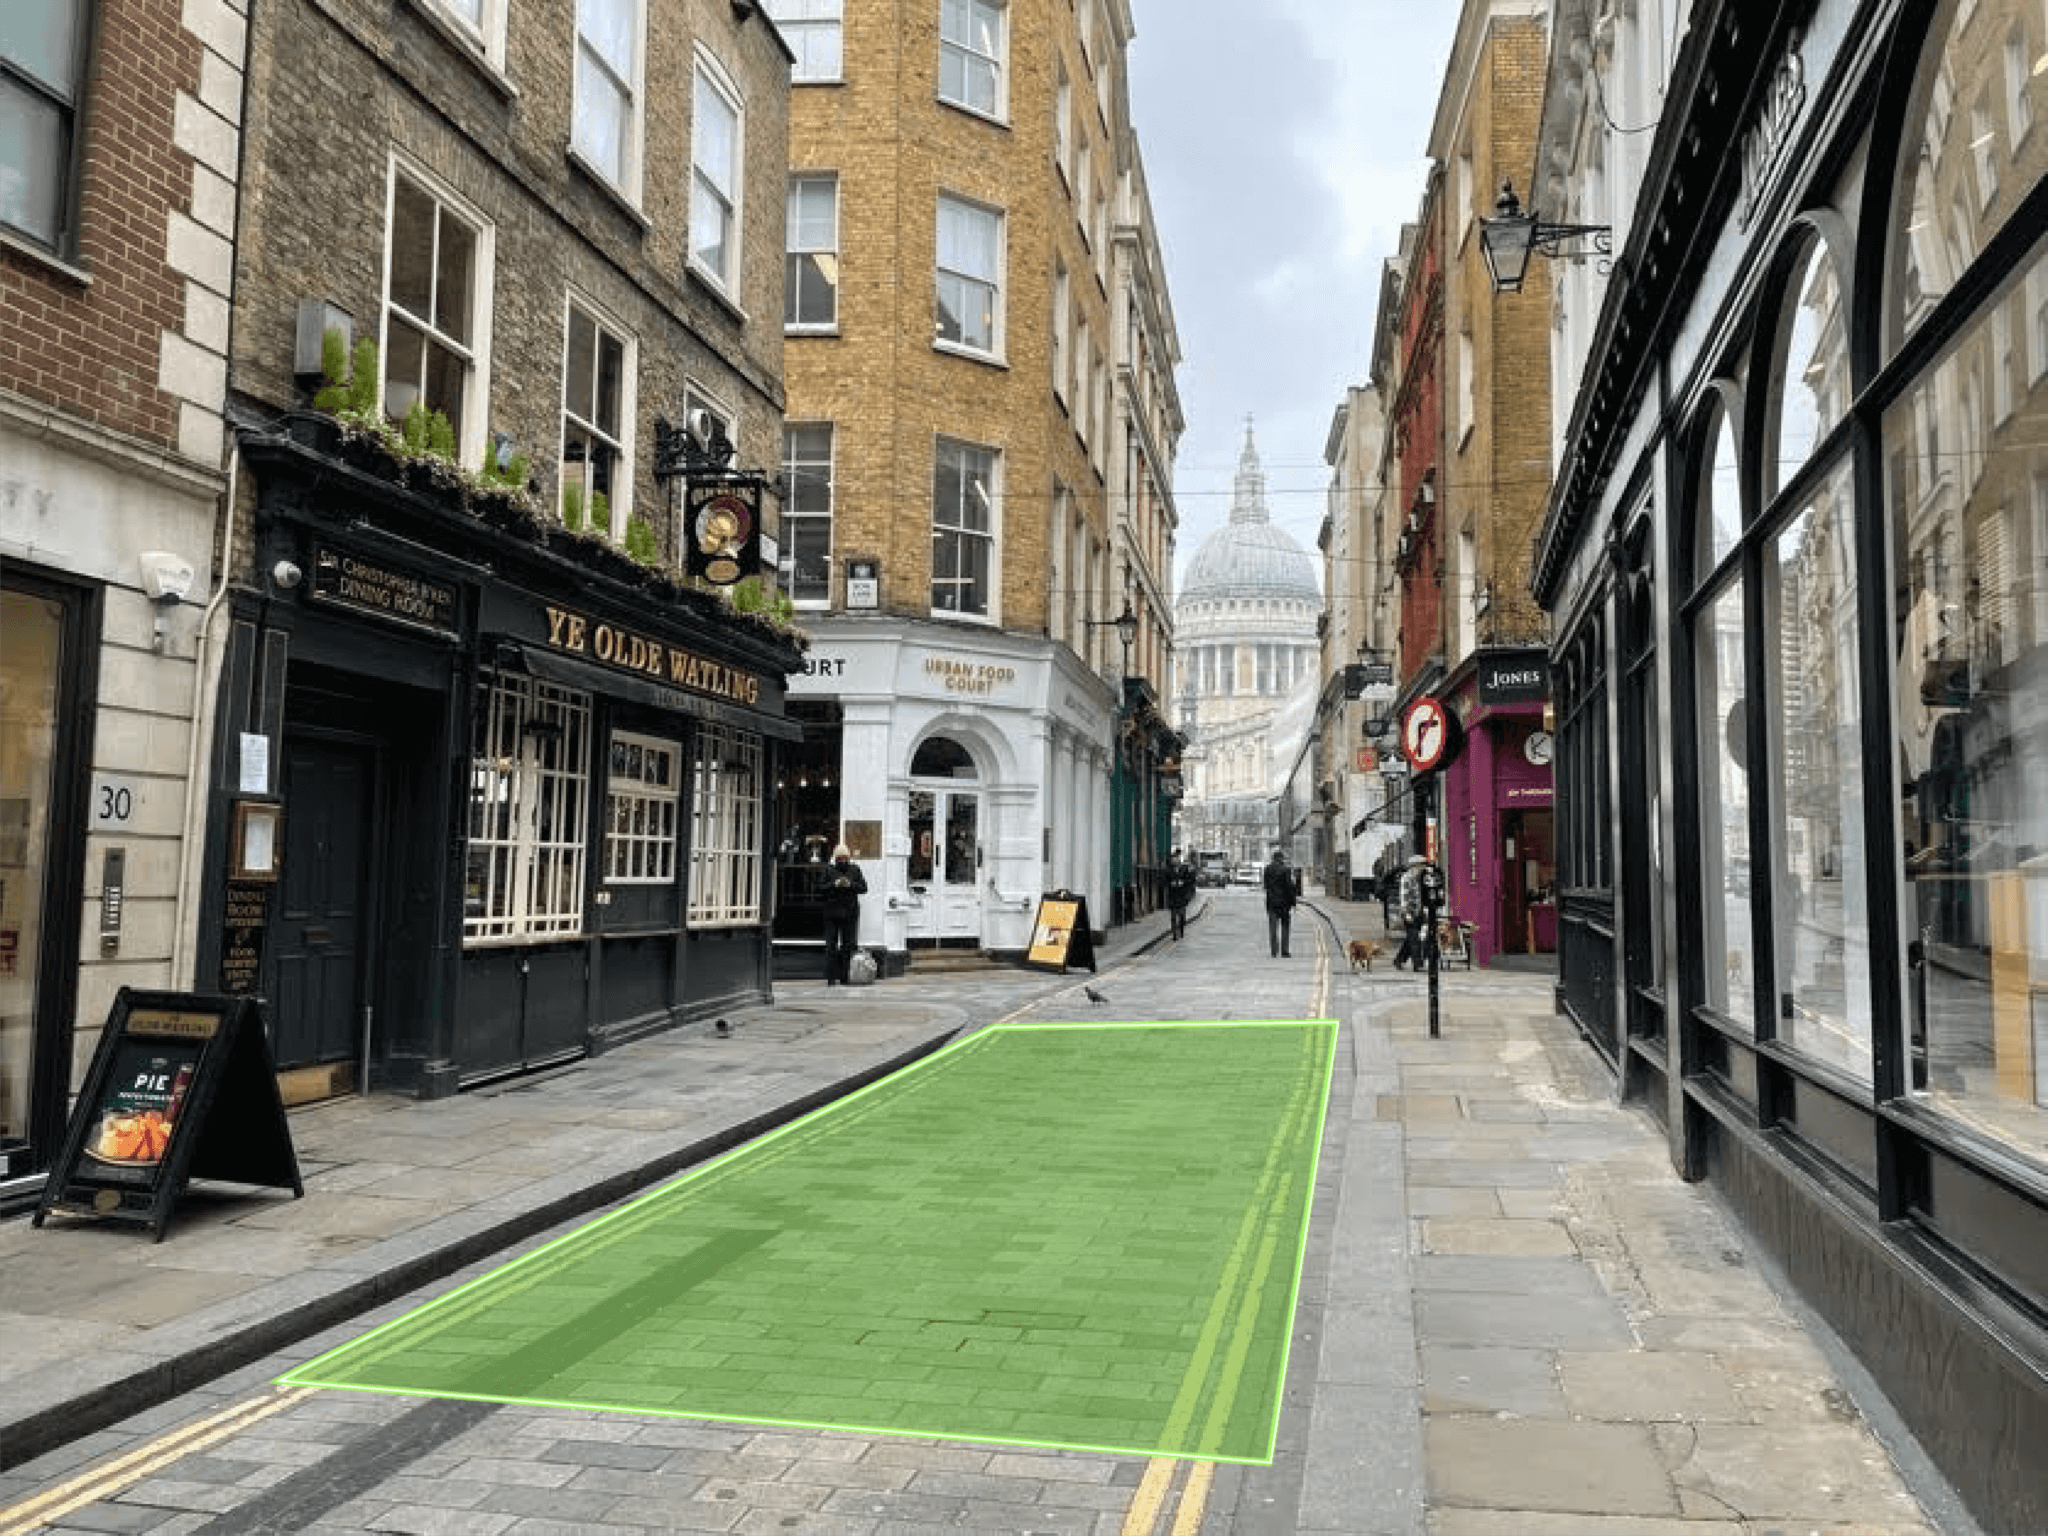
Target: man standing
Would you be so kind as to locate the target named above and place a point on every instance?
(1279, 902)
(1412, 938)
(1180, 890)
(844, 887)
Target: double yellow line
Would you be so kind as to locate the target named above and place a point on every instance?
(110, 1477)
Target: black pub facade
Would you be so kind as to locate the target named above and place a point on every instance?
(515, 801)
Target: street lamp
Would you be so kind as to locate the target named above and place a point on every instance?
(1509, 239)
(1126, 626)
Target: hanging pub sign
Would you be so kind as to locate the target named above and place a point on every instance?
(723, 521)
(181, 1086)
(1060, 935)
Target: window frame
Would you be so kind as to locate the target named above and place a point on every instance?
(959, 531)
(71, 112)
(794, 251)
(619, 500)
(476, 352)
(486, 35)
(728, 807)
(994, 285)
(627, 176)
(657, 833)
(541, 763)
(996, 64)
(822, 18)
(795, 518)
(709, 75)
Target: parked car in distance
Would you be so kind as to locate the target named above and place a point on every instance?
(1212, 867)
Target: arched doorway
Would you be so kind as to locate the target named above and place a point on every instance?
(945, 860)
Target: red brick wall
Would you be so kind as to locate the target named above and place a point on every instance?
(92, 349)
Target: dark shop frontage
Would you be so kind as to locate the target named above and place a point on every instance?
(488, 796)
(1797, 558)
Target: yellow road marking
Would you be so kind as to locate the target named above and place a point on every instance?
(110, 1477)
(1151, 1496)
(1194, 1499)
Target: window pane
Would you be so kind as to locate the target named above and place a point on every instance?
(607, 27)
(412, 250)
(582, 363)
(611, 382)
(1812, 388)
(41, 38)
(715, 135)
(1728, 943)
(447, 383)
(405, 350)
(452, 271)
(1819, 897)
(1720, 511)
(601, 109)
(1969, 529)
(34, 155)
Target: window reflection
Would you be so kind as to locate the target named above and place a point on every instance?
(1966, 453)
(1724, 809)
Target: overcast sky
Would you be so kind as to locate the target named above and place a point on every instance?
(1284, 146)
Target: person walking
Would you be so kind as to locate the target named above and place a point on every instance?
(1412, 947)
(1180, 890)
(1279, 902)
(844, 887)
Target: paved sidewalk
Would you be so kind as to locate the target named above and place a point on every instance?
(98, 1323)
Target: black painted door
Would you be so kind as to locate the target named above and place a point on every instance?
(322, 925)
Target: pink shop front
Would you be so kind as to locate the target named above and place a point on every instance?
(1497, 836)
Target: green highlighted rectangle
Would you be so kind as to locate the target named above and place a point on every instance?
(1086, 1236)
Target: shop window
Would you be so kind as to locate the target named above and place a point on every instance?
(717, 144)
(1728, 944)
(971, 52)
(1811, 390)
(1819, 902)
(33, 691)
(437, 274)
(42, 87)
(643, 794)
(810, 280)
(597, 487)
(528, 811)
(604, 128)
(963, 528)
(812, 30)
(1962, 175)
(725, 828)
(807, 510)
(1972, 683)
(1717, 509)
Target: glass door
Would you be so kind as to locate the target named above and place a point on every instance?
(944, 865)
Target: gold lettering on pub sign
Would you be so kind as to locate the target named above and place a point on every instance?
(164, 1022)
(580, 636)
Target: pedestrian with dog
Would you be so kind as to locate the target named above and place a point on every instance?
(1412, 920)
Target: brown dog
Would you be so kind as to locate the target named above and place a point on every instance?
(1363, 952)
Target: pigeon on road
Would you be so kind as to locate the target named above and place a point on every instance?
(1093, 995)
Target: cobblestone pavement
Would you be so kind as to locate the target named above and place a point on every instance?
(1514, 1319)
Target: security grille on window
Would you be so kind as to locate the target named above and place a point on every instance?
(605, 128)
(594, 491)
(725, 828)
(42, 73)
(429, 311)
(969, 275)
(812, 30)
(963, 508)
(643, 800)
(714, 179)
(529, 782)
(807, 511)
(971, 54)
(810, 287)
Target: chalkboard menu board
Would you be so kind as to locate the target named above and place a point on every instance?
(180, 1087)
(1060, 935)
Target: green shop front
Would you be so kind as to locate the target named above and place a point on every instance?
(488, 796)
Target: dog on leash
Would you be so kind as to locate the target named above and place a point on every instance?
(1363, 952)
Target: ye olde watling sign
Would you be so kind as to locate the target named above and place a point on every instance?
(577, 634)
(403, 597)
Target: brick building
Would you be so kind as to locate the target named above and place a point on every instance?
(520, 760)
(117, 210)
(975, 377)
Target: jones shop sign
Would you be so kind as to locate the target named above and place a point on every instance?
(1521, 679)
